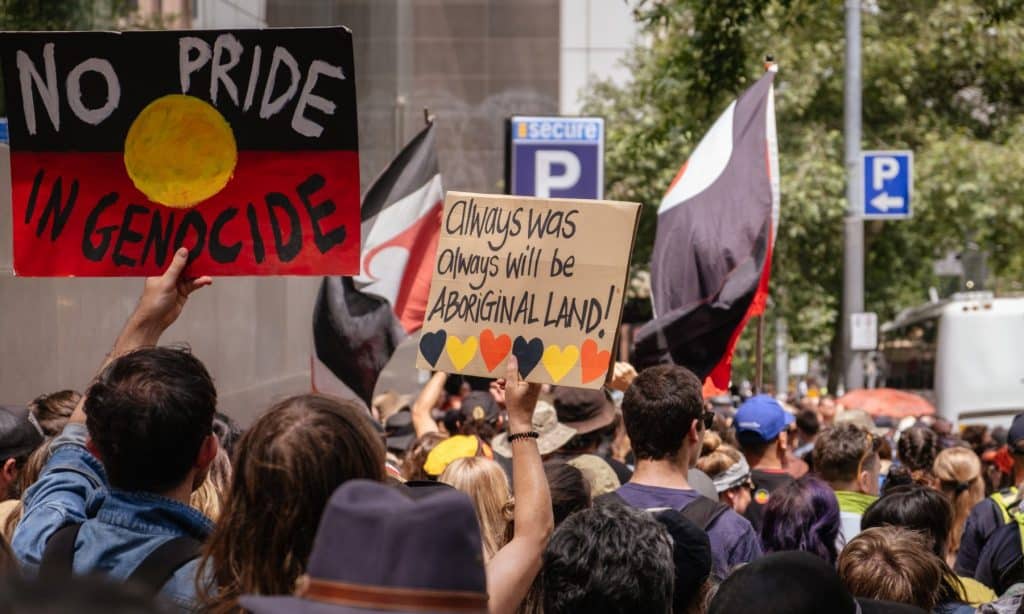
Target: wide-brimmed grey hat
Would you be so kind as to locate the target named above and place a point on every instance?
(378, 550)
(553, 434)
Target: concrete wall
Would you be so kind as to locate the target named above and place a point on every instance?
(595, 36)
(471, 62)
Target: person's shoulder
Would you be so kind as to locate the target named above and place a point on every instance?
(1004, 541)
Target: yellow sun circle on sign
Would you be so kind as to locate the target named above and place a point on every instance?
(180, 151)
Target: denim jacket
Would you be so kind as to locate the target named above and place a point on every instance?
(119, 528)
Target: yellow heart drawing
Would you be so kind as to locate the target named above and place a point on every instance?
(559, 361)
(461, 352)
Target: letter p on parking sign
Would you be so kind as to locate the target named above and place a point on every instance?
(555, 157)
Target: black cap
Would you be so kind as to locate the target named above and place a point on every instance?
(479, 405)
(18, 436)
(583, 409)
(1016, 432)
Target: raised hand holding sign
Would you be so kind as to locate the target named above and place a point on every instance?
(240, 146)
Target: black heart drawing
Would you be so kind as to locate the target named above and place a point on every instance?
(432, 344)
(528, 353)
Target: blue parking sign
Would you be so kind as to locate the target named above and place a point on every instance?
(556, 157)
(888, 184)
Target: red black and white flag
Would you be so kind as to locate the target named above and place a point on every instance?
(713, 248)
(358, 322)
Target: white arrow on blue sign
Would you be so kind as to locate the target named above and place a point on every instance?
(888, 184)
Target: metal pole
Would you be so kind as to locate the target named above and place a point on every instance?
(759, 358)
(853, 231)
(781, 358)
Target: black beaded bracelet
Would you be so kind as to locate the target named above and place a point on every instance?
(524, 435)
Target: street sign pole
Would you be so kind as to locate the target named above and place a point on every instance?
(853, 231)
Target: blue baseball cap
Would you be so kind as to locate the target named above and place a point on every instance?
(762, 416)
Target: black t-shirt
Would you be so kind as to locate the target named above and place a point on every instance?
(1001, 563)
(765, 483)
(985, 518)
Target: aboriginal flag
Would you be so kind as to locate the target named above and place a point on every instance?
(713, 248)
(239, 145)
(358, 323)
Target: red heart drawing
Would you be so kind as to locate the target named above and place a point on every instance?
(594, 364)
(494, 349)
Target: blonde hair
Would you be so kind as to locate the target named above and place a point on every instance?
(716, 456)
(487, 485)
(958, 471)
(210, 496)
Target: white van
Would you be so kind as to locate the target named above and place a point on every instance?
(965, 354)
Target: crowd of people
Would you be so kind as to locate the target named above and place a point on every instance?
(492, 496)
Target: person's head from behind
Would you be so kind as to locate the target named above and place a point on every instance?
(19, 439)
(896, 564)
(378, 549)
(728, 470)
(608, 559)
(479, 415)
(487, 485)
(917, 448)
(663, 410)
(286, 466)
(761, 429)
(784, 583)
(570, 490)
(416, 455)
(804, 516)
(846, 457)
(150, 420)
(958, 473)
(52, 411)
(808, 424)
(914, 507)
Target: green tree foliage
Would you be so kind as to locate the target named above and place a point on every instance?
(941, 78)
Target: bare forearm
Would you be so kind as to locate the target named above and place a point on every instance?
(422, 421)
(533, 515)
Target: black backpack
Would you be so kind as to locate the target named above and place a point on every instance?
(151, 574)
(701, 511)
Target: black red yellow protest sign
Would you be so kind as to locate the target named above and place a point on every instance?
(240, 145)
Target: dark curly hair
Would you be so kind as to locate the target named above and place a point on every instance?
(659, 408)
(148, 413)
(609, 559)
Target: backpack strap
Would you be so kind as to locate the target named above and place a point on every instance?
(59, 554)
(703, 511)
(156, 569)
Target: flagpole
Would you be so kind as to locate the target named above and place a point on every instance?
(853, 225)
(759, 369)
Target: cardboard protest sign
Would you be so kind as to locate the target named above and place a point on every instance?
(542, 279)
(240, 145)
